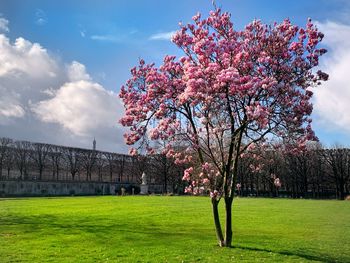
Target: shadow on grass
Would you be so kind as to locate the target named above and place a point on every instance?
(321, 258)
(100, 228)
(145, 232)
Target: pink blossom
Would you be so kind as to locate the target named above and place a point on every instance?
(133, 151)
(187, 174)
(205, 181)
(206, 166)
(215, 194)
(188, 189)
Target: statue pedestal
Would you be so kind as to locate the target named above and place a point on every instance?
(144, 189)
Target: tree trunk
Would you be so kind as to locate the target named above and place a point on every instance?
(57, 172)
(218, 229)
(228, 223)
(341, 190)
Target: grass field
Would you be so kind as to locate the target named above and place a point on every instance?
(170, 229)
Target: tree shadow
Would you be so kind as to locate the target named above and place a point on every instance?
(321, 257)
(52, 225)
(102, 228)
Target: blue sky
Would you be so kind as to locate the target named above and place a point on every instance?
(124, 27)
(106, 38)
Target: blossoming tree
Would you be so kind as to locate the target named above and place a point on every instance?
(231, 90)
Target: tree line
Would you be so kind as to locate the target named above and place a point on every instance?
(317, 172)
(24, 160)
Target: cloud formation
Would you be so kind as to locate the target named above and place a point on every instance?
(80, 106)
(331, 100)
(43, 99)
(105, 38)
(25, 58)
(25, 69)
(77, 71)
(40, 17)
(162, 36)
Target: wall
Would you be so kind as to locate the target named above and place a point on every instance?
(33, 188)
(10, 188)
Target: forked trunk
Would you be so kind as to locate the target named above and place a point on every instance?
(227, 241)
(218, 229)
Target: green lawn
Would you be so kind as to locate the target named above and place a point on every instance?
(170, 229)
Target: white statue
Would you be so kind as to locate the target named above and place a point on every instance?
(144, 178)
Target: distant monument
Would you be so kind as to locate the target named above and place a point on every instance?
(144, 178)
(94, 145)
(144, 185)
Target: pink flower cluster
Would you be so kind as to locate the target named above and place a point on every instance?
(215, 194)
(187, 174)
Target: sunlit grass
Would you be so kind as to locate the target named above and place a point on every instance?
(170, 229)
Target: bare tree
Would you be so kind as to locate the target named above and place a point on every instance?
(39, 154)
(166, 171)
(73, 160)
(338, 160)
(9, 160)
(4, 148)
(120, 163)
(88, 158)
(56, 157)
(317, 174)
(100, 163)
(111, 160)
(22, 157)
(299, 169)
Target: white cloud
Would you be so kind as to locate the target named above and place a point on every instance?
(42, 99)
(11, 110)
(77, 71)
(82, 107)
(162, 36)
(40, 17)
(41, 21)
(331, 100)
(26, 69)
(4, 23)
(105, 38)
(24, 57)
